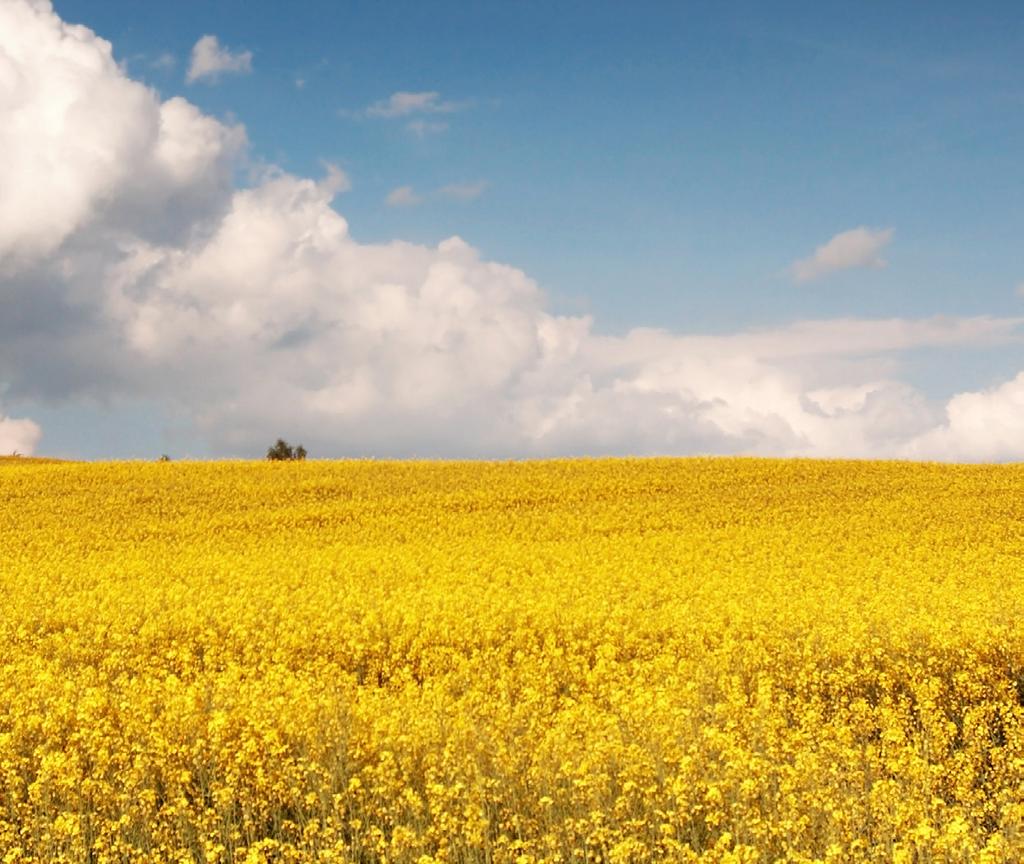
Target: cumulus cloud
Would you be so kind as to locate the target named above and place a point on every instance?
(986, 425)
(210, 60)
(403, 103)
(132, 267)
(857, 248)
(402, 196)
(18, 436)
(86, 147)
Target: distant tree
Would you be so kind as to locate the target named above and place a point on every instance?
(282, 451)
(164, 458)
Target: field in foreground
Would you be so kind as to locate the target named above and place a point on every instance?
(616, 660)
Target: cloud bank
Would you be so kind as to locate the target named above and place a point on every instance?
(131, 266)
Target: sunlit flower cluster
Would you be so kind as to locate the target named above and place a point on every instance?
(713, 660)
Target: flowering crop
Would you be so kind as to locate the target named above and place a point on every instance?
(614, 660)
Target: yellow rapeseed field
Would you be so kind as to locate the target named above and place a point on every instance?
(570, 661)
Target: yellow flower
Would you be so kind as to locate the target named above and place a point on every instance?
(699, 660)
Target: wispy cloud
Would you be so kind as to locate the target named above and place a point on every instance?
(463, 191)
(420, 110)
(422, 128)
(210, 60)
(404, 103)
(857, 248)
(402, 196)
(165, 61)
(406, 196)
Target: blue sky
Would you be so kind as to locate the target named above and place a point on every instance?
(649, 164)
(653, 162)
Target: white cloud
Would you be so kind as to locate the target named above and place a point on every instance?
(986, 425)
(403, 103)
(18, 436)
(857, 248)
(210, 60)
(402, 196)
(83, 144)
(130, 267)
(463, 191)
(335, 180)
(58, 160)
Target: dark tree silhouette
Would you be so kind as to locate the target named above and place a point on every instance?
(282, 451)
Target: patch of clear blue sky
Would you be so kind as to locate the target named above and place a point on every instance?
(114, 429)
(651, 163)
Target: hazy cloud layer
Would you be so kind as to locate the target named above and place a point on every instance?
(210, 60)
(857, 248)
(130, 266)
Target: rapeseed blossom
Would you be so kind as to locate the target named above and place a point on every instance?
(728, 660)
